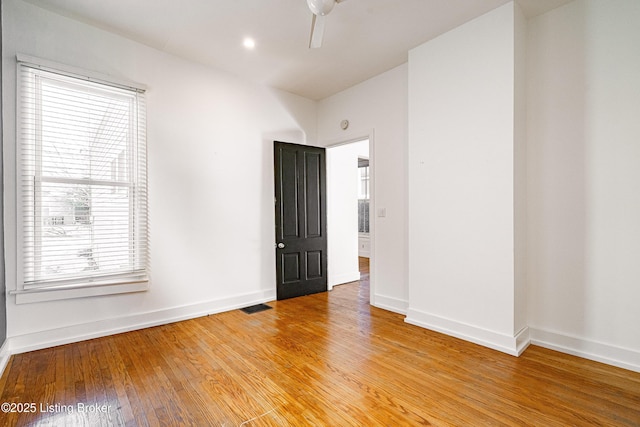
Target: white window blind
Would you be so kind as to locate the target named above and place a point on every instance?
(83, 180)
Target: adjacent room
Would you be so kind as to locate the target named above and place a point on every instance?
(306, 212)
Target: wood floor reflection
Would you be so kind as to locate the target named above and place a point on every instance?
(325, 359)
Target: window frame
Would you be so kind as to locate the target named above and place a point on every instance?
(136, 280)
(364, 194)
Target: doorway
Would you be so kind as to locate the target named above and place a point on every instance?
(349, 203)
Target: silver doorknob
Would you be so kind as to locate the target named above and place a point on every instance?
(280, 245)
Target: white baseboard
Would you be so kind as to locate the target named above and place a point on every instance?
(340, 279)
(85, 331)
(5, 354)
(592, 350)
(513, 345)
(390, 304)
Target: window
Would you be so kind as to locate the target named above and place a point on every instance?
(363, 195)
(83, 187)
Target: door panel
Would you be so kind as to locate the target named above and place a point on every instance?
(312, 186)
(314, 264)
(290, 268)
(289, 195)
(300, 189)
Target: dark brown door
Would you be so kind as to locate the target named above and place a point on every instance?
(301, 230)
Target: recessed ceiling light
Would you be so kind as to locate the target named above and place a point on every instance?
(249, 43)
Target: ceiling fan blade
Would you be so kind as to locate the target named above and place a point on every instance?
(317, 31)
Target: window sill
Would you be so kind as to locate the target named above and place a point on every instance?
(59, 293)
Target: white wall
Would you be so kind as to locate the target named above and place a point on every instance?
(462, 182)
(342, 211)
(210, 180)
(584, 180)
(377, 108)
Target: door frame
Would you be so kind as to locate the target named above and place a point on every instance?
(350, 139)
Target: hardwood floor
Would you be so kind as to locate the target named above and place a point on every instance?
(325, 359)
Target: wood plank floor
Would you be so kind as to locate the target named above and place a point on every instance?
(326, 359)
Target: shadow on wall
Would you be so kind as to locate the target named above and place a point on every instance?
(557, 154)
(268, 217)
(298, 109)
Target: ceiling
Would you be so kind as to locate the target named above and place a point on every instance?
(362, 38)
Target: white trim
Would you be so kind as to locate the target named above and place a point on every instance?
(54, 294)
(81, 73)
(343, 278)
(513, 345)
(5, 355)
(85, 331)
(395, 305)
(600, 352)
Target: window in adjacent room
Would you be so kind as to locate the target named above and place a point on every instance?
(83, 186)
(363, 195)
